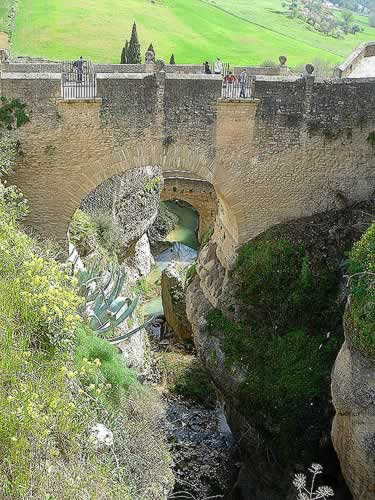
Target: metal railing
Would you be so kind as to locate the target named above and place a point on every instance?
(78, 80)
(233, 88)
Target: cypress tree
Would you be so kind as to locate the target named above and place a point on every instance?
(124, 53)
(134, 50)
(172, 61)
(151, 49)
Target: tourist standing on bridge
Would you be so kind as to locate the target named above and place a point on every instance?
(78, 65)
(243, 79)
(207, 68)
(218, 70)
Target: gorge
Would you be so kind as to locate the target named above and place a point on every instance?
(283, 184)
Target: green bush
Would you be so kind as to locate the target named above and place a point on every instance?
(185, 375)
(288, 304)
(38, 292)
(284, 379)
(82, 232)
(361, 314)
(13, 113)
(276, 279)
(114, 375)
(50, 398)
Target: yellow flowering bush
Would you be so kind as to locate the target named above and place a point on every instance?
(45, 302)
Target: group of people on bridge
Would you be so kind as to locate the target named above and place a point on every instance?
(233, 86)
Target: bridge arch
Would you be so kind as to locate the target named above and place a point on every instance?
(198, 193)
(54, 196)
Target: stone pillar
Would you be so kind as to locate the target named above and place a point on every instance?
(309, 85)
(4, 56)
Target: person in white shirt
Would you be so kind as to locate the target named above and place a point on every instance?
(218, 67)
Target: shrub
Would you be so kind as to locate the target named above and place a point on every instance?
(50, 398)
(38, 291)
(114, 374)
(13, 113)
(82, 232)
(276, 279)
(284, 378)
(185, 375)
(361, 314)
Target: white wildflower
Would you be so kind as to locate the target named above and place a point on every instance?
(299, 481)
(316, 469)
(303, 496)
(325, 491)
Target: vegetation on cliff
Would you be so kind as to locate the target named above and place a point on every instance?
(58, 381)
(282, 331)
(361, 312)
(282, 342)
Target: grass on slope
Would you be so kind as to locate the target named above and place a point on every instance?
(271, 15)
(193, 30)
(5, 6)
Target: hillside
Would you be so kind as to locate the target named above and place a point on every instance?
(241, 32)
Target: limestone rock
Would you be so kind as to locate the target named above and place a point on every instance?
(101, 437)
(353, 431)
(174, 301)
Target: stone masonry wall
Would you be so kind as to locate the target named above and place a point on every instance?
(199, 194)
(287, 153)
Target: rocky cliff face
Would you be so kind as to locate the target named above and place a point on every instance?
(174, 300)
(353, 430)
(268, 471)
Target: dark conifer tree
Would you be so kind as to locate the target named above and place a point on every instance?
(134, 50)
(151, 49)
(124, 53)
(172, 61)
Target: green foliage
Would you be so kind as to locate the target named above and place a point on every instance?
(108, 233)
(134, 50)
(277, 280)
(114, 375)
(284, 378)
(153, 185)
(8, 152)
(371, 139)
(82, 232)
(281, 349)
(185, 375)
(207, 236)
(124, 53)
(361, 314)
(40, 293)
(172, 60)
(50, 398)
(13, 113)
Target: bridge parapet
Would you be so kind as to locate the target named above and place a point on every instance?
(366, 49)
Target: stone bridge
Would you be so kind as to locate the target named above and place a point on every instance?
(284, 154)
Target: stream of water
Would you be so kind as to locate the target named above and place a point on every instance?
(183, 248)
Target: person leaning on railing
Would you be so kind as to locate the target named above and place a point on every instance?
(229, 84)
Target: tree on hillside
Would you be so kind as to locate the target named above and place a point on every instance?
(134, 50)
(346, 21)
(151, 49)
(172, 61)
(124, 53)
(292, 6)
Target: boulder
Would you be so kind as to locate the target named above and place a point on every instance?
(353, 430)
(174, 300)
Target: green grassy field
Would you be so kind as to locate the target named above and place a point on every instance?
(240, 32)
